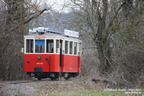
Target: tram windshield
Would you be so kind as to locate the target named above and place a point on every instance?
(39, 46)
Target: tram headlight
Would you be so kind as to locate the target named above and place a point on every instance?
(38, 56)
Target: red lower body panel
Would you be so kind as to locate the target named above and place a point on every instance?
(71, 63)
(51, 63)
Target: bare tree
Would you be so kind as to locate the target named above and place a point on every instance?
(17, 15)
(99, 18)
(116, 29)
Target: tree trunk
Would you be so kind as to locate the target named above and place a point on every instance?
(13, 40)
(103, 45)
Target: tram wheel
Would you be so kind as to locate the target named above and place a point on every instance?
(66, 78)
(53, 78)
(39, 78)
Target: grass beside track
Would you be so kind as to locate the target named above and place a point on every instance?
(78, 88)
(84, 93)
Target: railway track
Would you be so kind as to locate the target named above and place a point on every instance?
(30, 81)
(24, 81)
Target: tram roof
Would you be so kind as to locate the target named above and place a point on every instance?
(48, 35)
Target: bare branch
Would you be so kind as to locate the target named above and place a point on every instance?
(35, 16)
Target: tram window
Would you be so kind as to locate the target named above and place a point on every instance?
(75, 48)
(57, 46)
(66, 47)
(49, 46)
(71, 46)
(29, 46)
(39, 46)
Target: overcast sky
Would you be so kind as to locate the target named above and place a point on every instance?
(58, 5)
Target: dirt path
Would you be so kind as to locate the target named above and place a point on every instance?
(35, 87)
(15, 88)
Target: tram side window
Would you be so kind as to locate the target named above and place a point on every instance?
(49, 46)
(71, 46)
(29, 46)
(39, 46)
(75, 48)
(57, 46)
(66, 47)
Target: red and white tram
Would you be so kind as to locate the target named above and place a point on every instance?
(49, 54)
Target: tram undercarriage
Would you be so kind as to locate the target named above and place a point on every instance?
(52, 75)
